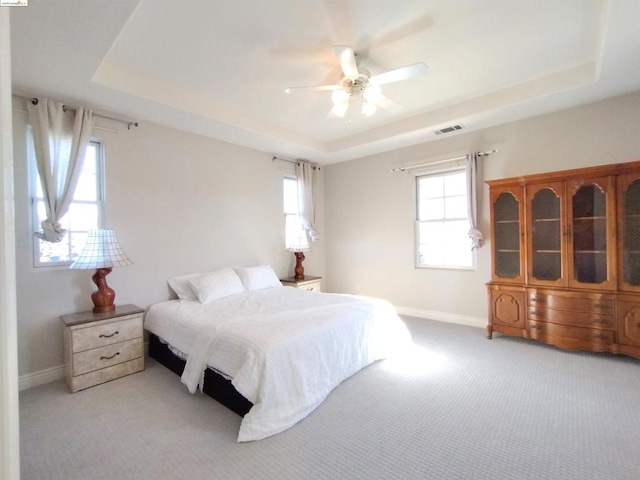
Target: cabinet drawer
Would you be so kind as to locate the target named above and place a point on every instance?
(102, 357)
(580, 319)
(541, 330)
(101, 334)
(571, 303)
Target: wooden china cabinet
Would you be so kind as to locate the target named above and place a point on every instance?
(566, 258)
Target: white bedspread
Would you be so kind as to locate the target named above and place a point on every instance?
(284, 348)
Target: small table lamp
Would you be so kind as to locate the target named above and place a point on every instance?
(102, 252)
(298, 247)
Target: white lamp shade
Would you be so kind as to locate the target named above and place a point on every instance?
(101, 250)
(300, 243)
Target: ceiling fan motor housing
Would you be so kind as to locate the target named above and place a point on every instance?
(356, 86)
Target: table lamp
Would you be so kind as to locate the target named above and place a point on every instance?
(102, 252)
(298, 247)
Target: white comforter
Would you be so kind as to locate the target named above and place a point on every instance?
(284, 348)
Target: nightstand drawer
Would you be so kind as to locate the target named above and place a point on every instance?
(101, 334)
(106, 356)
(312, 287)
(103, 375)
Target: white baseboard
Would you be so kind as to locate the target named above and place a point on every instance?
(31, 380)
(442, 316)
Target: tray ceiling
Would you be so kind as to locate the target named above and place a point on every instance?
(220, 68)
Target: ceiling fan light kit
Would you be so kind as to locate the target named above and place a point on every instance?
(358, 84)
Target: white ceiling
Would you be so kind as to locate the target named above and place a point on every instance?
(219, 68)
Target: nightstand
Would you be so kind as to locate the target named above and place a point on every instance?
(99, 347)
(309, 283)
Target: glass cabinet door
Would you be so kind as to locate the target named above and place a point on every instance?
(629, 232)
(591, 239)
(546, 248)
(507, 211)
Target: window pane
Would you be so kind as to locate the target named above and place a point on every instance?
(431, 209)
(455, 207)
(455, 183)
(457, 249)
(290, 195)
(83, 216)
(54, 252)
(430, 186)
(87, 187)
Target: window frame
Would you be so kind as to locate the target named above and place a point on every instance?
(442, 169)
(35, 199)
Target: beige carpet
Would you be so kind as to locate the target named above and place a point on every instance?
(462, 407)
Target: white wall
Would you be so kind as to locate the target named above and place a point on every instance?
(370, 211)
(179, 203)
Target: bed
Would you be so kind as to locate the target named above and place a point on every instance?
(268, 352)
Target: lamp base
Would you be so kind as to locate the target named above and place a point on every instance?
(299, 269)
(104, 297)
(108, 308)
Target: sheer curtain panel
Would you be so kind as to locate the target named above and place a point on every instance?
(477, 239)
(306, 175)
(60, 139)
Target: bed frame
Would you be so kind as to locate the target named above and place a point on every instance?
(215, 385)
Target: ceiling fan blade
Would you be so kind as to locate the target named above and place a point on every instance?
(402, 73)
(317, 88)
(347, 60)
(389, 105)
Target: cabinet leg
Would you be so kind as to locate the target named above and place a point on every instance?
(489, 332)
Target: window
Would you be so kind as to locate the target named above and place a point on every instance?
(85, 212)
(293, 226)
(442, 221)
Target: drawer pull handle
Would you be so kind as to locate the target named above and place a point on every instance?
(536, 313)
(536, 299)
(597, 336)
(534, 326)
(601, 321)
(601, 305)
(102, 335)
(111, 357)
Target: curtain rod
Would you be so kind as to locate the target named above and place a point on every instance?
(283, 159)
(129, 123)
(480, 154)
(291, 161)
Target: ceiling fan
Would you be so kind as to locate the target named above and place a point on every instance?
(357, 83)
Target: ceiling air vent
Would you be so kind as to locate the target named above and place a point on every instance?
(450, 129)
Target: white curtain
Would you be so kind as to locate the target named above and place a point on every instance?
(307, 178)
(477, 239)
(60, 140)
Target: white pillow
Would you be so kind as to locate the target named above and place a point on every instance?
(257, 278)
(213, 286)
(181, 286)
